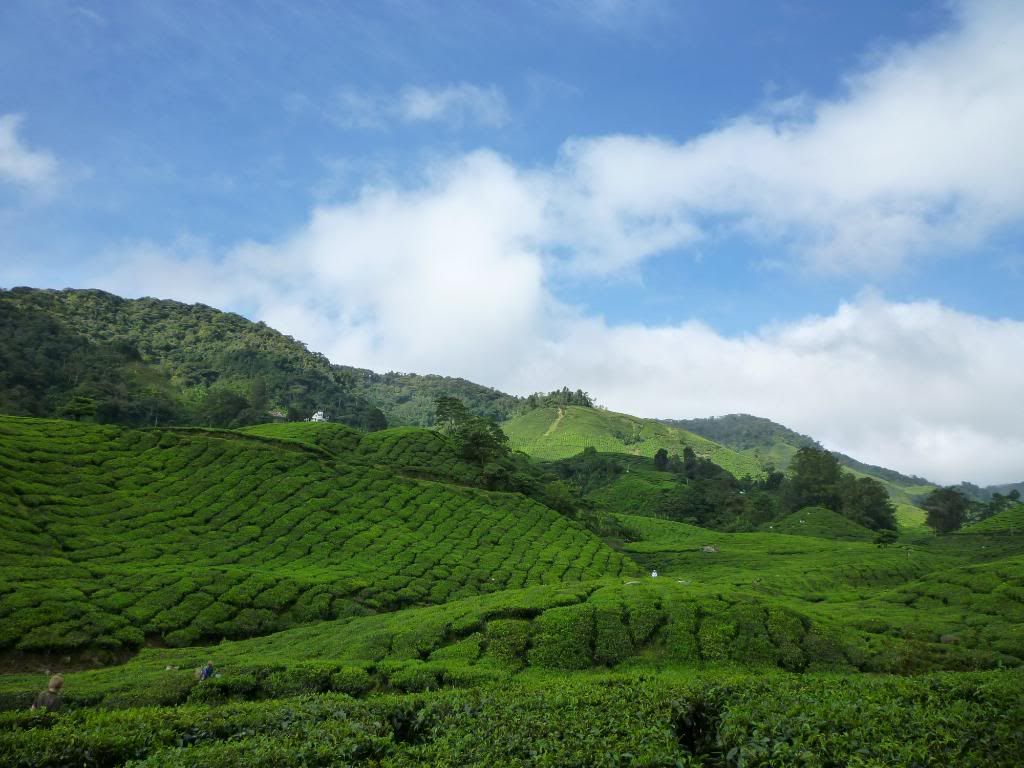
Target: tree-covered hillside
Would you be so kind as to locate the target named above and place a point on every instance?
(743, 432)
(407, 399)
(145, 362)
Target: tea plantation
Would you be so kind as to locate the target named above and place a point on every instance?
(112, 536)
(364, 603)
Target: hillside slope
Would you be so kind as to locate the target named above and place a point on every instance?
(560, 432)
(111, 536)
(149, 362)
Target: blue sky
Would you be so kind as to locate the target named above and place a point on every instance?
(809, 211)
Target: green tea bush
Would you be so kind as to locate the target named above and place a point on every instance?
(562, 638)
(354, 681)
(195, 536)
(681, 632)
(715, 638)
(412, 676)
(298, 679)
(508, 639)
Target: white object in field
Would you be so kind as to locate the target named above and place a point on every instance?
(318, 416)
(654, 574)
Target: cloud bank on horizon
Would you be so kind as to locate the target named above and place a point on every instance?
(460, 268)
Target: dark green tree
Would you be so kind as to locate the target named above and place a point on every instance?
(814, 481)
(689, 462)
(865, 501)
(480, 440)
(77, 407)
(222, 408)
(886, 537)
(563, 396)
(945, 508)
(450, 414)
(661, 460)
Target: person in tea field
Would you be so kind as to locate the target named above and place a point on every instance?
(50, 698)
(206, 672)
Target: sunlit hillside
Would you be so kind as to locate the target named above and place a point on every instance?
(557, 432)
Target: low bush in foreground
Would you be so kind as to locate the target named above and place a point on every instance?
(946, 719)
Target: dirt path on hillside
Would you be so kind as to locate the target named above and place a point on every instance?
(556, 422)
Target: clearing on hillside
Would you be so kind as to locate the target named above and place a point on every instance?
(560, 432)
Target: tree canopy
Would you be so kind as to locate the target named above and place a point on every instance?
(563, 397)
(946, 509)
(817, 480)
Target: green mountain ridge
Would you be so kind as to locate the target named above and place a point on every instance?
(147, 362)
(774, 443)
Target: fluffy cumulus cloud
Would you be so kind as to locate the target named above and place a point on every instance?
(915, 386)
(444, 277)
(20, 165)
(922, 152)
(452, 275)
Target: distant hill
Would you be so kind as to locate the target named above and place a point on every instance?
(773, 444)
(1010, 520)
(560, 432)
(984, 495)
(743, 432)
(146, 362)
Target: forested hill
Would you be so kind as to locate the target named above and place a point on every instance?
(742, 432)
(408, 399)
(88, 353)
(776, 444)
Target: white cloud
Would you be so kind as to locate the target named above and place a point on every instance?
(438, 278)
(456, 105)
(32, 169)
(921, 152)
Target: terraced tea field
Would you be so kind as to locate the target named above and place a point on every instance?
(958, 600)
(112, 536)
